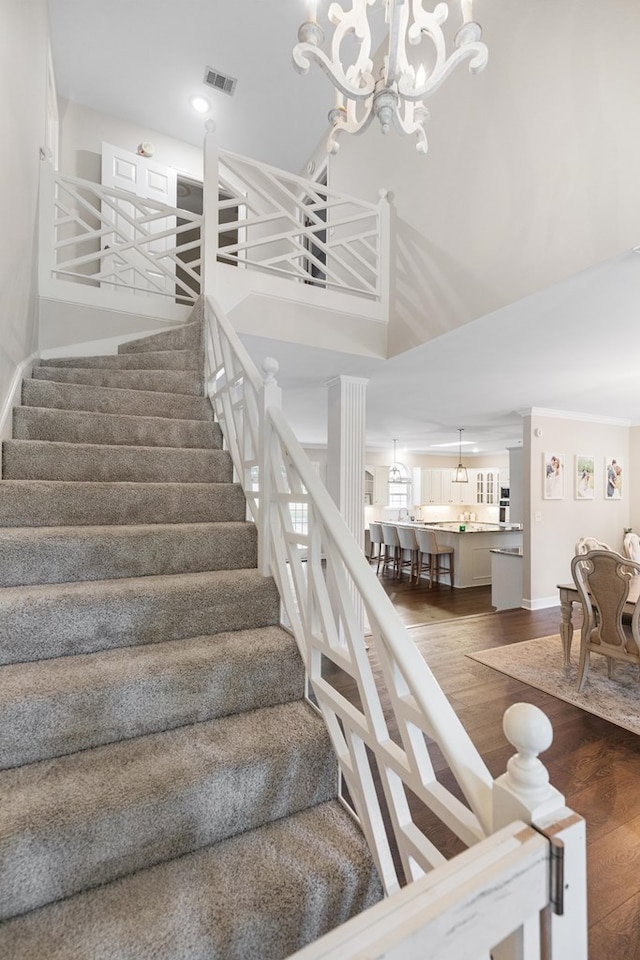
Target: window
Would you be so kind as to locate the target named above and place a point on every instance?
(400, 490)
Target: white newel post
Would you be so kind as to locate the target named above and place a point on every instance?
(271, 398)
(524, 793)
(210, 211)
(346, 455)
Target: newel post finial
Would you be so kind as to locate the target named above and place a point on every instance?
(270, 367)
(524, 791)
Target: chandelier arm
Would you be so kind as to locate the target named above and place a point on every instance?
(413, 120)
(396, 63)
(345, 120)
(356, 21)
(304, 53)
(468, 42)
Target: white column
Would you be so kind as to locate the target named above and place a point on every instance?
(345, 461)
(346, 449)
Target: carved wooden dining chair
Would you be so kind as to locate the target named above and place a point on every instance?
(585, 544)
(631, 546)
(604, 579)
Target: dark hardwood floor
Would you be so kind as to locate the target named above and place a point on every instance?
(594, 763)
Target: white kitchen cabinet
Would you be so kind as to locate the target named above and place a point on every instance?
(431, 485)
(487, 486)
(380, 486)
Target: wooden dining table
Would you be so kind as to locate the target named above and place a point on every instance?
(568, 596)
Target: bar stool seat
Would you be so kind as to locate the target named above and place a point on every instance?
(391, 548)
(376, 541)
(428, 546)
(409, 545)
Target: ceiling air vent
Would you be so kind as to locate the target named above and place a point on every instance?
(213, 78)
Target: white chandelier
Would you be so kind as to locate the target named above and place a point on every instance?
(396, 98)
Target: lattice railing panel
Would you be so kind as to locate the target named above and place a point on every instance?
(313, 569)
(107, 237)
(275, 221)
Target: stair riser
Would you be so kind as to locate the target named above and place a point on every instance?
(155, 799)
(325, 878)
(55, 503)
(54, 555)
(35, 423)
(151, 360)
(164, 381)
(61, 706)
(187, 337)
(43, 622)
(71, 396)
(42, 460)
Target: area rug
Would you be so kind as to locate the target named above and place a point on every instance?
(539, 663)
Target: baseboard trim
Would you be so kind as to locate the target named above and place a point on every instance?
(12, 397)
(542, 603)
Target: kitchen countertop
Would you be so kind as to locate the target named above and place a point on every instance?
(475, 526)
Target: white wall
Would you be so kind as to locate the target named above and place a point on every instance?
(24, 38)
(531, 173)
(83, 130)
(552, 527)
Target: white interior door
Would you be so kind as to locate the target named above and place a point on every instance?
(137, 260)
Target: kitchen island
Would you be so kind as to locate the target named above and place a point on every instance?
(472, 546)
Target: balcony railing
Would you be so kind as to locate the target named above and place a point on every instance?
(259, 219)
(277, 222)
(106, 238)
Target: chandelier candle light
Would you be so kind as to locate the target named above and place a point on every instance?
(396, 98)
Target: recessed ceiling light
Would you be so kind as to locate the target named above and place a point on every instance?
(201, 104)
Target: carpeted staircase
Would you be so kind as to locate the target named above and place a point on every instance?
(165, 790)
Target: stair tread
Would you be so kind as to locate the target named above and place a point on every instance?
(61, 554)
(115, 416)
(92, 394)
(187, 382)
(120, 807)
(73, 502)
(83, 426)
(54, 459)
(178, 360)
(48, 707)
(188, 908)
(104, 668)
(187, 333)
(50, 620)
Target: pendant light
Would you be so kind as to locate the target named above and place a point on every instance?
(395, 475)
(460, 474)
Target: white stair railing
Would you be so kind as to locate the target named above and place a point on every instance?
(103, 237)
(414, 818)
(279, 223)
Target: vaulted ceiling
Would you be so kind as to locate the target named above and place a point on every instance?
(572, 347)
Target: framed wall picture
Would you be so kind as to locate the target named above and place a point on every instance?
(613, 478)
(554, 476)
(585, 477)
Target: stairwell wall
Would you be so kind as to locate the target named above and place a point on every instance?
(24, 55)
(531, 174)
(83, 130)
